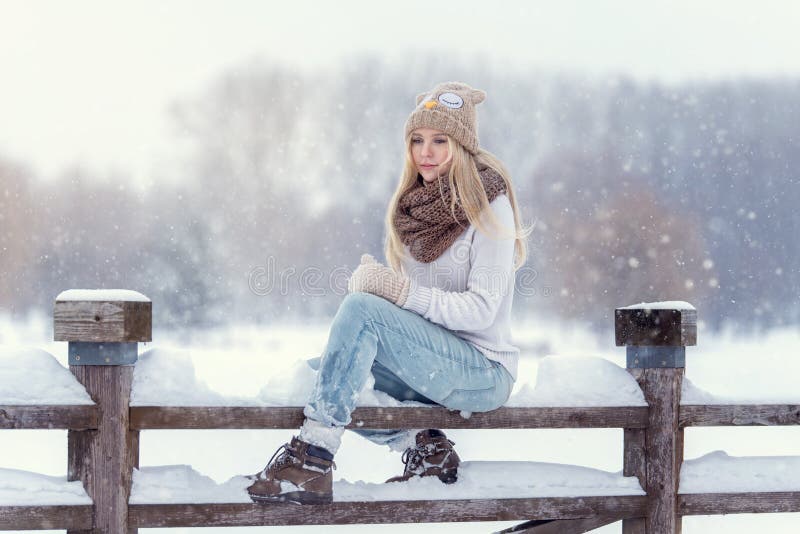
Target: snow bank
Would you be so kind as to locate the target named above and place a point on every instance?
(102, 294)
(181, 484)
(691, 394)
(168, 377)
(289, 387)
(717, 472)
(478, 480)
(33, 376)
(23, 488)
(578, 381)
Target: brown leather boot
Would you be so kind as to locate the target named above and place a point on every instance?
(433, 456)
(298, 472)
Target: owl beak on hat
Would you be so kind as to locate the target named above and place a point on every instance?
(430, 105)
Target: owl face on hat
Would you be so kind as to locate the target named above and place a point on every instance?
(449, 107)
(452, 95)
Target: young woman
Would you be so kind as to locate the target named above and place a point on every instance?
(433, 325)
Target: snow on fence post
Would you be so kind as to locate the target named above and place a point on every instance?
(103, 328)
(655, 336)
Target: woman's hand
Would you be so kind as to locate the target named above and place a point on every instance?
(378, 279)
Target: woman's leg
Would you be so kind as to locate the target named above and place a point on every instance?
(389, 383)
(428, 358)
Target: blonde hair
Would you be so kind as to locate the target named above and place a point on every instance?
(466, 186)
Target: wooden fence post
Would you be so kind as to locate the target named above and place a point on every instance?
(656, 336)
(103, 328)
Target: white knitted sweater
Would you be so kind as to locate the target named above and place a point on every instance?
(469, 289)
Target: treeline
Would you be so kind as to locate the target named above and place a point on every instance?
(637, 192)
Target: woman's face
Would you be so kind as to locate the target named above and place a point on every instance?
(430, 153)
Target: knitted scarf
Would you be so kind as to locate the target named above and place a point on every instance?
(424, 221)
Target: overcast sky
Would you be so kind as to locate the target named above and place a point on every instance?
(88, 82)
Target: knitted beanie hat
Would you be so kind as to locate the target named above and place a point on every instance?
(449, 107)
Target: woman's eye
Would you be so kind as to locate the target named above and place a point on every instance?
(416, 140)
(440, 141)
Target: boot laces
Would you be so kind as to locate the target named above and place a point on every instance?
(414, 456)
(283, 460)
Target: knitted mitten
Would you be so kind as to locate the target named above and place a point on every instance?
(378, 279)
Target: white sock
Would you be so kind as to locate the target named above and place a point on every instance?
(321, 435)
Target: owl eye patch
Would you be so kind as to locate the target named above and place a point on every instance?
(451, 100)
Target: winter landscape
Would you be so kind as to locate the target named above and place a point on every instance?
(255, 365)
(232, 161)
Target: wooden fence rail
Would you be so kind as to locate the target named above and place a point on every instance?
(168, 417)
(103, 330)
(84, 417)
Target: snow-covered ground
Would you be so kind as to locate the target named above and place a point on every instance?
(22, 488)
(261, 365)
(181, 484)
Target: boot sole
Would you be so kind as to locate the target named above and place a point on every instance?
(295, 497)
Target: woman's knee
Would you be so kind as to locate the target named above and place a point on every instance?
(355, 313)
(360, 303)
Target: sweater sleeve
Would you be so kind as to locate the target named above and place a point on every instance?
(491, 265)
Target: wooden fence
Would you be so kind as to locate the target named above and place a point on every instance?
(103, 440)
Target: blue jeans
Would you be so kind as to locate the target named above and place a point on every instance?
(410, 357)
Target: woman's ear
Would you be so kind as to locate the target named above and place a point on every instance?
(478, 96)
